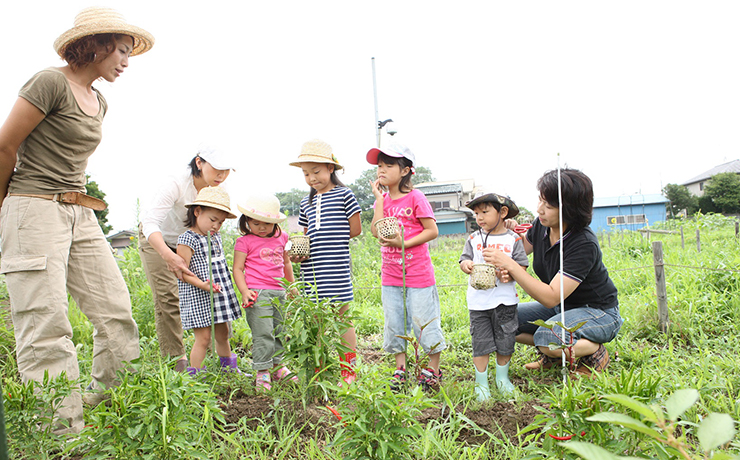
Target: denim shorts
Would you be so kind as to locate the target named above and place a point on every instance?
(494, 330)
(601, 325)
(422, 306)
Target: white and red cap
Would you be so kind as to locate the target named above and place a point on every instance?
(392, 150)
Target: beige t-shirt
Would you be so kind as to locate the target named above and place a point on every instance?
(53, 158)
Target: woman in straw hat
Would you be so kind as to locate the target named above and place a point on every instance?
(51, 240)
(162, 221)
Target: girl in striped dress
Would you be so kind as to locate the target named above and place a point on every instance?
(330, 216)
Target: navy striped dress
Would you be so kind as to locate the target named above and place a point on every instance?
(327, 271)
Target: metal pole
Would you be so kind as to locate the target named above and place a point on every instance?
(375, 96)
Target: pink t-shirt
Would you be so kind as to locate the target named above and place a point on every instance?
(419, 270)
(265, 263)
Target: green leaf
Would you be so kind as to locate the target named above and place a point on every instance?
(715, 430)
(637, 406)
(679, 402)
(624, 420)
(588, 451)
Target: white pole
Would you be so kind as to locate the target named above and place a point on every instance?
(560, 248)
(375, 96)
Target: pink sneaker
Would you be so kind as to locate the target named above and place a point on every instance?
(263, 381)
(284, 372)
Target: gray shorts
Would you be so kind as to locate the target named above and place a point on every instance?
(494, 330)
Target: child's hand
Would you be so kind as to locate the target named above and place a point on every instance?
(375, 187)
(293, 293)
(249, 298)
(298, 259)
(466, 266)
(395, 242)
(216, 287)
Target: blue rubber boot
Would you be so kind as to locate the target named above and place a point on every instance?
(502, 381)
(482, 391)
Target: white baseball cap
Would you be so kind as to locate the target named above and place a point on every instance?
(217, 157)
(393, 150)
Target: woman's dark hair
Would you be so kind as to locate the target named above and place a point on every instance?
(194, 170)
(578, 195)
(334, 180)
(244, 227)
(405, 184)
(84, 51)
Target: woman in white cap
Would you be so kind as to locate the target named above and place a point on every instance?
(162, 221)
(51, 240)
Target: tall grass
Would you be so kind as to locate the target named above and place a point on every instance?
(700, 350)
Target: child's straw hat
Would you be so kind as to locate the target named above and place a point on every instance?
(262, 208)
(214, 197)
(316, 151)
(96, 20)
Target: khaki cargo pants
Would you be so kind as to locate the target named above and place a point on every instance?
(49, 248)
(166, 299)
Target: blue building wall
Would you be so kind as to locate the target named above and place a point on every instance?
(451, 228)
(631, 212)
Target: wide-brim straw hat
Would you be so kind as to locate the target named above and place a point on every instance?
(214, 197)
(97, 20)
(262, 208)
(483, 197)
(317, 151)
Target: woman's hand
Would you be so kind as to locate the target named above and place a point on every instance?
(495, 257)
(503, 275)
(177, 265)
(466, 266)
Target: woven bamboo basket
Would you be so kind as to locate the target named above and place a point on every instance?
(483, 276)
(299, 246)
(387, 227)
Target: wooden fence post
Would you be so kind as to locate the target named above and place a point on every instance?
(660, 286)
(698, 241)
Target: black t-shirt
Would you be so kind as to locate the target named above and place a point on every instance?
(581, 262)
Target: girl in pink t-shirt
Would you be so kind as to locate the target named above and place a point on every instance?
(410, 277)
(260, 262)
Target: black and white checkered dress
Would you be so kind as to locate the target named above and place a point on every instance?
(195, 303)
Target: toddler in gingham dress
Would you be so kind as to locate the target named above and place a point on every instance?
(206, 215)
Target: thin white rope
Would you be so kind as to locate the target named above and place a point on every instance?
(560, 249)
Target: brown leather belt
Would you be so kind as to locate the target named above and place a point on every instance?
(70, 198)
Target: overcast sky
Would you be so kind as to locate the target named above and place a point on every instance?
(637, 94)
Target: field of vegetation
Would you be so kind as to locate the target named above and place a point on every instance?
(663, 396)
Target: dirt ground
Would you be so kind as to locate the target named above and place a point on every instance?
(501, 418)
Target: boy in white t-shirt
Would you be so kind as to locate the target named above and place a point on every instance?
(493, 315)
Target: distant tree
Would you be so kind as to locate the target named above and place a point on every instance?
(724, 191)
(92, 189)
(290, 202)
(680, 200)
(422, 174)
(525, 215)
